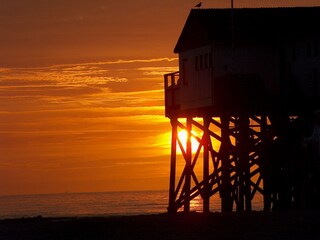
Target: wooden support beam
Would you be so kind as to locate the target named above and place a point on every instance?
(225, 192)
(206, 148)
(172, 195)
(244, 167)
(236, 166)
(188, 158)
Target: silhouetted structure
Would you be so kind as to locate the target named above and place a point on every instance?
(249, 80)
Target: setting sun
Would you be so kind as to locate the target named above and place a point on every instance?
(183, 136)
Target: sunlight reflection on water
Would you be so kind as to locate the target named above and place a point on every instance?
(215, 203)
(98, 204)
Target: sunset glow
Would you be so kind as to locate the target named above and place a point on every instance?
(183, 137)
(81, 93)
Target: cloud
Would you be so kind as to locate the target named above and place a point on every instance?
(157, 71)
(82, 74)
(95, 64)
(141, 60)
(62, 76)
(119, 83)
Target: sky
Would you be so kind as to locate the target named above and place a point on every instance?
(81, 92)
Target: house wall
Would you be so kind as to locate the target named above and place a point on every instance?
(195, 85)
(260, 60)
(303, 61)
(199, 67)
(285, 69)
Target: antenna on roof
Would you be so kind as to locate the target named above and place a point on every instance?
(232, 26)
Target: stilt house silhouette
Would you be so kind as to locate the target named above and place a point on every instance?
(248, 84)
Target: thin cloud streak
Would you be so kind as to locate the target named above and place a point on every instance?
(72, 65)
(96, 76)
(117, 84)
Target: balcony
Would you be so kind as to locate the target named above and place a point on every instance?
(171, 88)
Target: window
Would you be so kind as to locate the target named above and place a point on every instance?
(210, 60)
(201, 62)
(206, 64)
(184, 71)
(197, 63)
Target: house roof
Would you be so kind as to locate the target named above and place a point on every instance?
(206, 26)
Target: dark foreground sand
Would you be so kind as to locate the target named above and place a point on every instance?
(252, 225)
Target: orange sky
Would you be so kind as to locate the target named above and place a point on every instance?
(81, 99)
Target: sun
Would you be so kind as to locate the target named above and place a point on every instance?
(183, 136)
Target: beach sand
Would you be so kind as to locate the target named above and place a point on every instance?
(246, 225)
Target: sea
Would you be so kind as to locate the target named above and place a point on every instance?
(100, 204)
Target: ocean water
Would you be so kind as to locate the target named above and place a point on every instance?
(96, 204)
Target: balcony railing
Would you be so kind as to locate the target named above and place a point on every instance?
(171, 88)
(171, 80)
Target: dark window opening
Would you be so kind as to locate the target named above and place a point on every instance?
(201, 62)
(184, 71)
(206, 63)
(210, 60)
